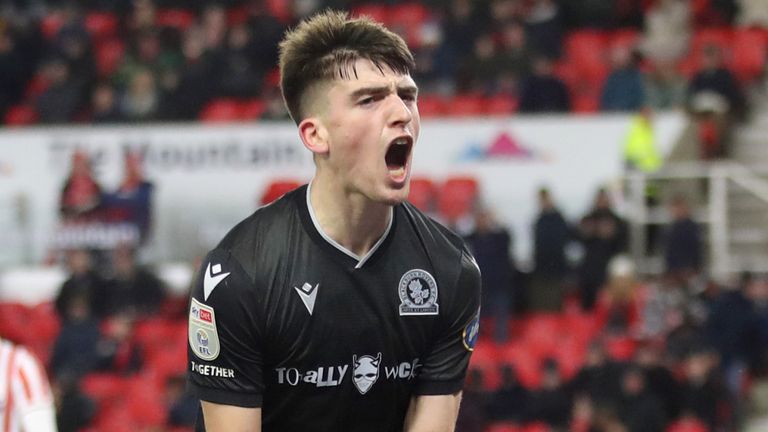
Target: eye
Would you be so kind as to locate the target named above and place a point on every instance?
(408, 97)
(366, 101)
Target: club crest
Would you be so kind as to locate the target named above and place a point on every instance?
(418, 293)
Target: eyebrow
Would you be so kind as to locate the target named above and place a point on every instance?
(408, 89)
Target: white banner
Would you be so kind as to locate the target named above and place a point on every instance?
(207, 178)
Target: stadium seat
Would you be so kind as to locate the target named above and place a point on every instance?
(500, 105)
(702, 38)
(103, 388)
(221, 111)
(503, 427)
(431, 106)
(14, 322)
(748, 56)
(585, 52)
(465, 105)
(50, 24)
(280, 9)
(145, 402)
(180, 19)
(422, 194)
(101, 25)
(276, 189)
(526, 365)
(620, 347)
(407, 20)
(457, 197)
(109, 54)
(252, 109)
(377, 12)
(628, 38)
(237, 15)
(688, 424)
(36, 86)
(20, 115)
(536, 427)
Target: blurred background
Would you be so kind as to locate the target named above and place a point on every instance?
(606, 161)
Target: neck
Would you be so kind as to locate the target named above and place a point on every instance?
(349, 218)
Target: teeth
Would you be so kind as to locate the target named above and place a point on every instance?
(401, 141)
(397, 172)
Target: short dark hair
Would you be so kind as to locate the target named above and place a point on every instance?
(325, 47)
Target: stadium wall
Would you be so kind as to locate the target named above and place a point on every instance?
(208, 177)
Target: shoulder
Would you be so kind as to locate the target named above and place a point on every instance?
(433, 233)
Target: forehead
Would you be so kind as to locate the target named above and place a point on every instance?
(364, 73)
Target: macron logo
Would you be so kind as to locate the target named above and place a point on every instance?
(213, 276)
(308, 294)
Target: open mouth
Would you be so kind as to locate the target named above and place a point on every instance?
(397, 156)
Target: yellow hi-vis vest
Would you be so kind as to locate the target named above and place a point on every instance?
(640, 148)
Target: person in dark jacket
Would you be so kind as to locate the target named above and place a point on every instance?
(543, 92)
(551, 235)
(682, 243)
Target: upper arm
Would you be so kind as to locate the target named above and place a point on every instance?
(230, 418)
(433, 413)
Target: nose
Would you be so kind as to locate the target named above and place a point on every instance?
(401, 113)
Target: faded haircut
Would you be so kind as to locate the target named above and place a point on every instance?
(326, 47)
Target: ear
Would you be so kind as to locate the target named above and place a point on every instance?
(314, 135)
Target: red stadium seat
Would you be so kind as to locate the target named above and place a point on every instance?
(720, 37)
(503, 427)
(457, 197)
(408, 20)
(628, 38)
(109, 54)
(221, 111)
(688, 424)
(431, 106)
(526, 365)
(145, 402)
(50, 24)
(180, 19)
(237, 15)
(276, 189)
(423, 193)
(103, 387)
(36, 86)
(536, 427)
(465, 105)
(585, 52)
(280, 9)
(500, 105)
(252, 109)
(749, 57)
(101, 24)
(20, 115)
(376, 12)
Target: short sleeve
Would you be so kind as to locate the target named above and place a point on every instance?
(32, 393)
(445, 366)
(224, 338)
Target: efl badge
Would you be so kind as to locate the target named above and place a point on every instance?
(203, 338)
(418, 293)
(470, 333)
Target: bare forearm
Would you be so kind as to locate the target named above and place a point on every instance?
(433, 413)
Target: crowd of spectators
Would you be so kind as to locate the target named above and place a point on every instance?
(105, 61)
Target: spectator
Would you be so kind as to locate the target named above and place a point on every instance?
(104, 107)
(640, 410)
(132, 201)
(515, 55)
(623, 89)
(480, 71)
(543, 92)
(599, 377)
(61, 100)
(510, 401)
(550, 237)
(619, 304)
(473, 414)
(75, 349)
(185, 100)
(81, 195)
(141, 100)
(26, 395)
(133, 290)
(237, 75)
(682, 243)
(551, 403)
(702, 392)
(463, 24)
(12, 77)
(664, 87)
(182, 405)
(74, 410)
(491, 245)
(84, 285)
(658, 378)
(667, 30)
(544, 27)
(603, 235)
(116, 351)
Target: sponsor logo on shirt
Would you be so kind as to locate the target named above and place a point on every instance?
(470, 334)
(418, 293)
(213, 276)
(366, 371)
(308, 294)
(203, 337)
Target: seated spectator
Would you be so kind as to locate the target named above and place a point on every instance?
(516, 54)
(683, 251)
(599, 377)
(619, 303)
(703, 393)
(116, 351)
(237, 75)
(182, 405)
(623, 89)
(658, 378)
(81, 195)
(84, 285)
(551, 403)
(479, 73)
(132, 289)
(61, 100)
(141, 100)
(75, 349)
(132, 202)
(543, 92)
(74, 410)
(639, 409)
(510, 401)
(545, 28)
(104, 107)
(664, 87)
(667, 30)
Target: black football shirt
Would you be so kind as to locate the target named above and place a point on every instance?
(283, 318)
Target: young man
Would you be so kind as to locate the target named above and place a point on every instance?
(26, 402)
(339, 307)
